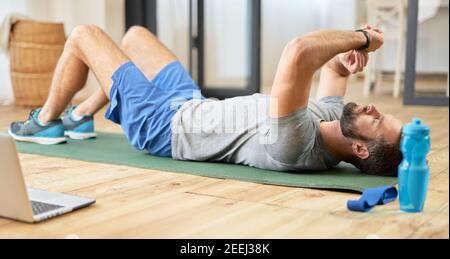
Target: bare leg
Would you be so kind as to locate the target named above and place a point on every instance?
(87, 47)
(70, 77)
(146, 52)
(92, 105)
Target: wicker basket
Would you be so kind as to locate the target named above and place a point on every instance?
(34, 58)
(31, 90)
(35, 49)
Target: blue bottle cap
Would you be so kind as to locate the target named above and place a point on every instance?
(416, 128)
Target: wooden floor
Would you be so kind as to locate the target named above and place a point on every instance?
(137, 203)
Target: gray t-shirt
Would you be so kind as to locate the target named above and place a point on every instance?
(240, 131)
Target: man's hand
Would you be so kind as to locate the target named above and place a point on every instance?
(354, 61)
(377, 37)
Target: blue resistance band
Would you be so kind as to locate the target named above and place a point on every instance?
(372, 197)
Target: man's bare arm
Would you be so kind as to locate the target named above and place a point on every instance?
(302, 57)
(334, 74)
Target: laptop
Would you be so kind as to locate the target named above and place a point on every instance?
(26, 204)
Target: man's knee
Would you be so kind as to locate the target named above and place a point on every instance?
(137, 30)
(133, 33)
(80, 32)
(79, 35)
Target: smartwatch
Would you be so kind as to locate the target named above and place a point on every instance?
(368, 37)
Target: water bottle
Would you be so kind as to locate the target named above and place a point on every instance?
(413, 173)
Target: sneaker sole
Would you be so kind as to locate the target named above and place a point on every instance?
(79, 136)
(38, 140)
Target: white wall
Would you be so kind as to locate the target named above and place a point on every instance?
(283, 20)
(108, 14)
(173, 27)
(226, 56)
(6, 7)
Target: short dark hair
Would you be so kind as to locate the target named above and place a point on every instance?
(384, 157)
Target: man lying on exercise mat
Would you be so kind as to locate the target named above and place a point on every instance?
(161, 109)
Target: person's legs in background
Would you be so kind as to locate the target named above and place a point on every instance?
(87, 47)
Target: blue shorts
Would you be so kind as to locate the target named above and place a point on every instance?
(145, 108)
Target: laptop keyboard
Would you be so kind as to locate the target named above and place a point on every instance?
(42, 207)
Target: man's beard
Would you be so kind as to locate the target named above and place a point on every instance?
(348, 120)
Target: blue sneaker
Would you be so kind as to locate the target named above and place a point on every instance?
(78, 129)
(34, 131)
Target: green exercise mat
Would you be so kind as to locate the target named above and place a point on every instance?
(114, 149)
